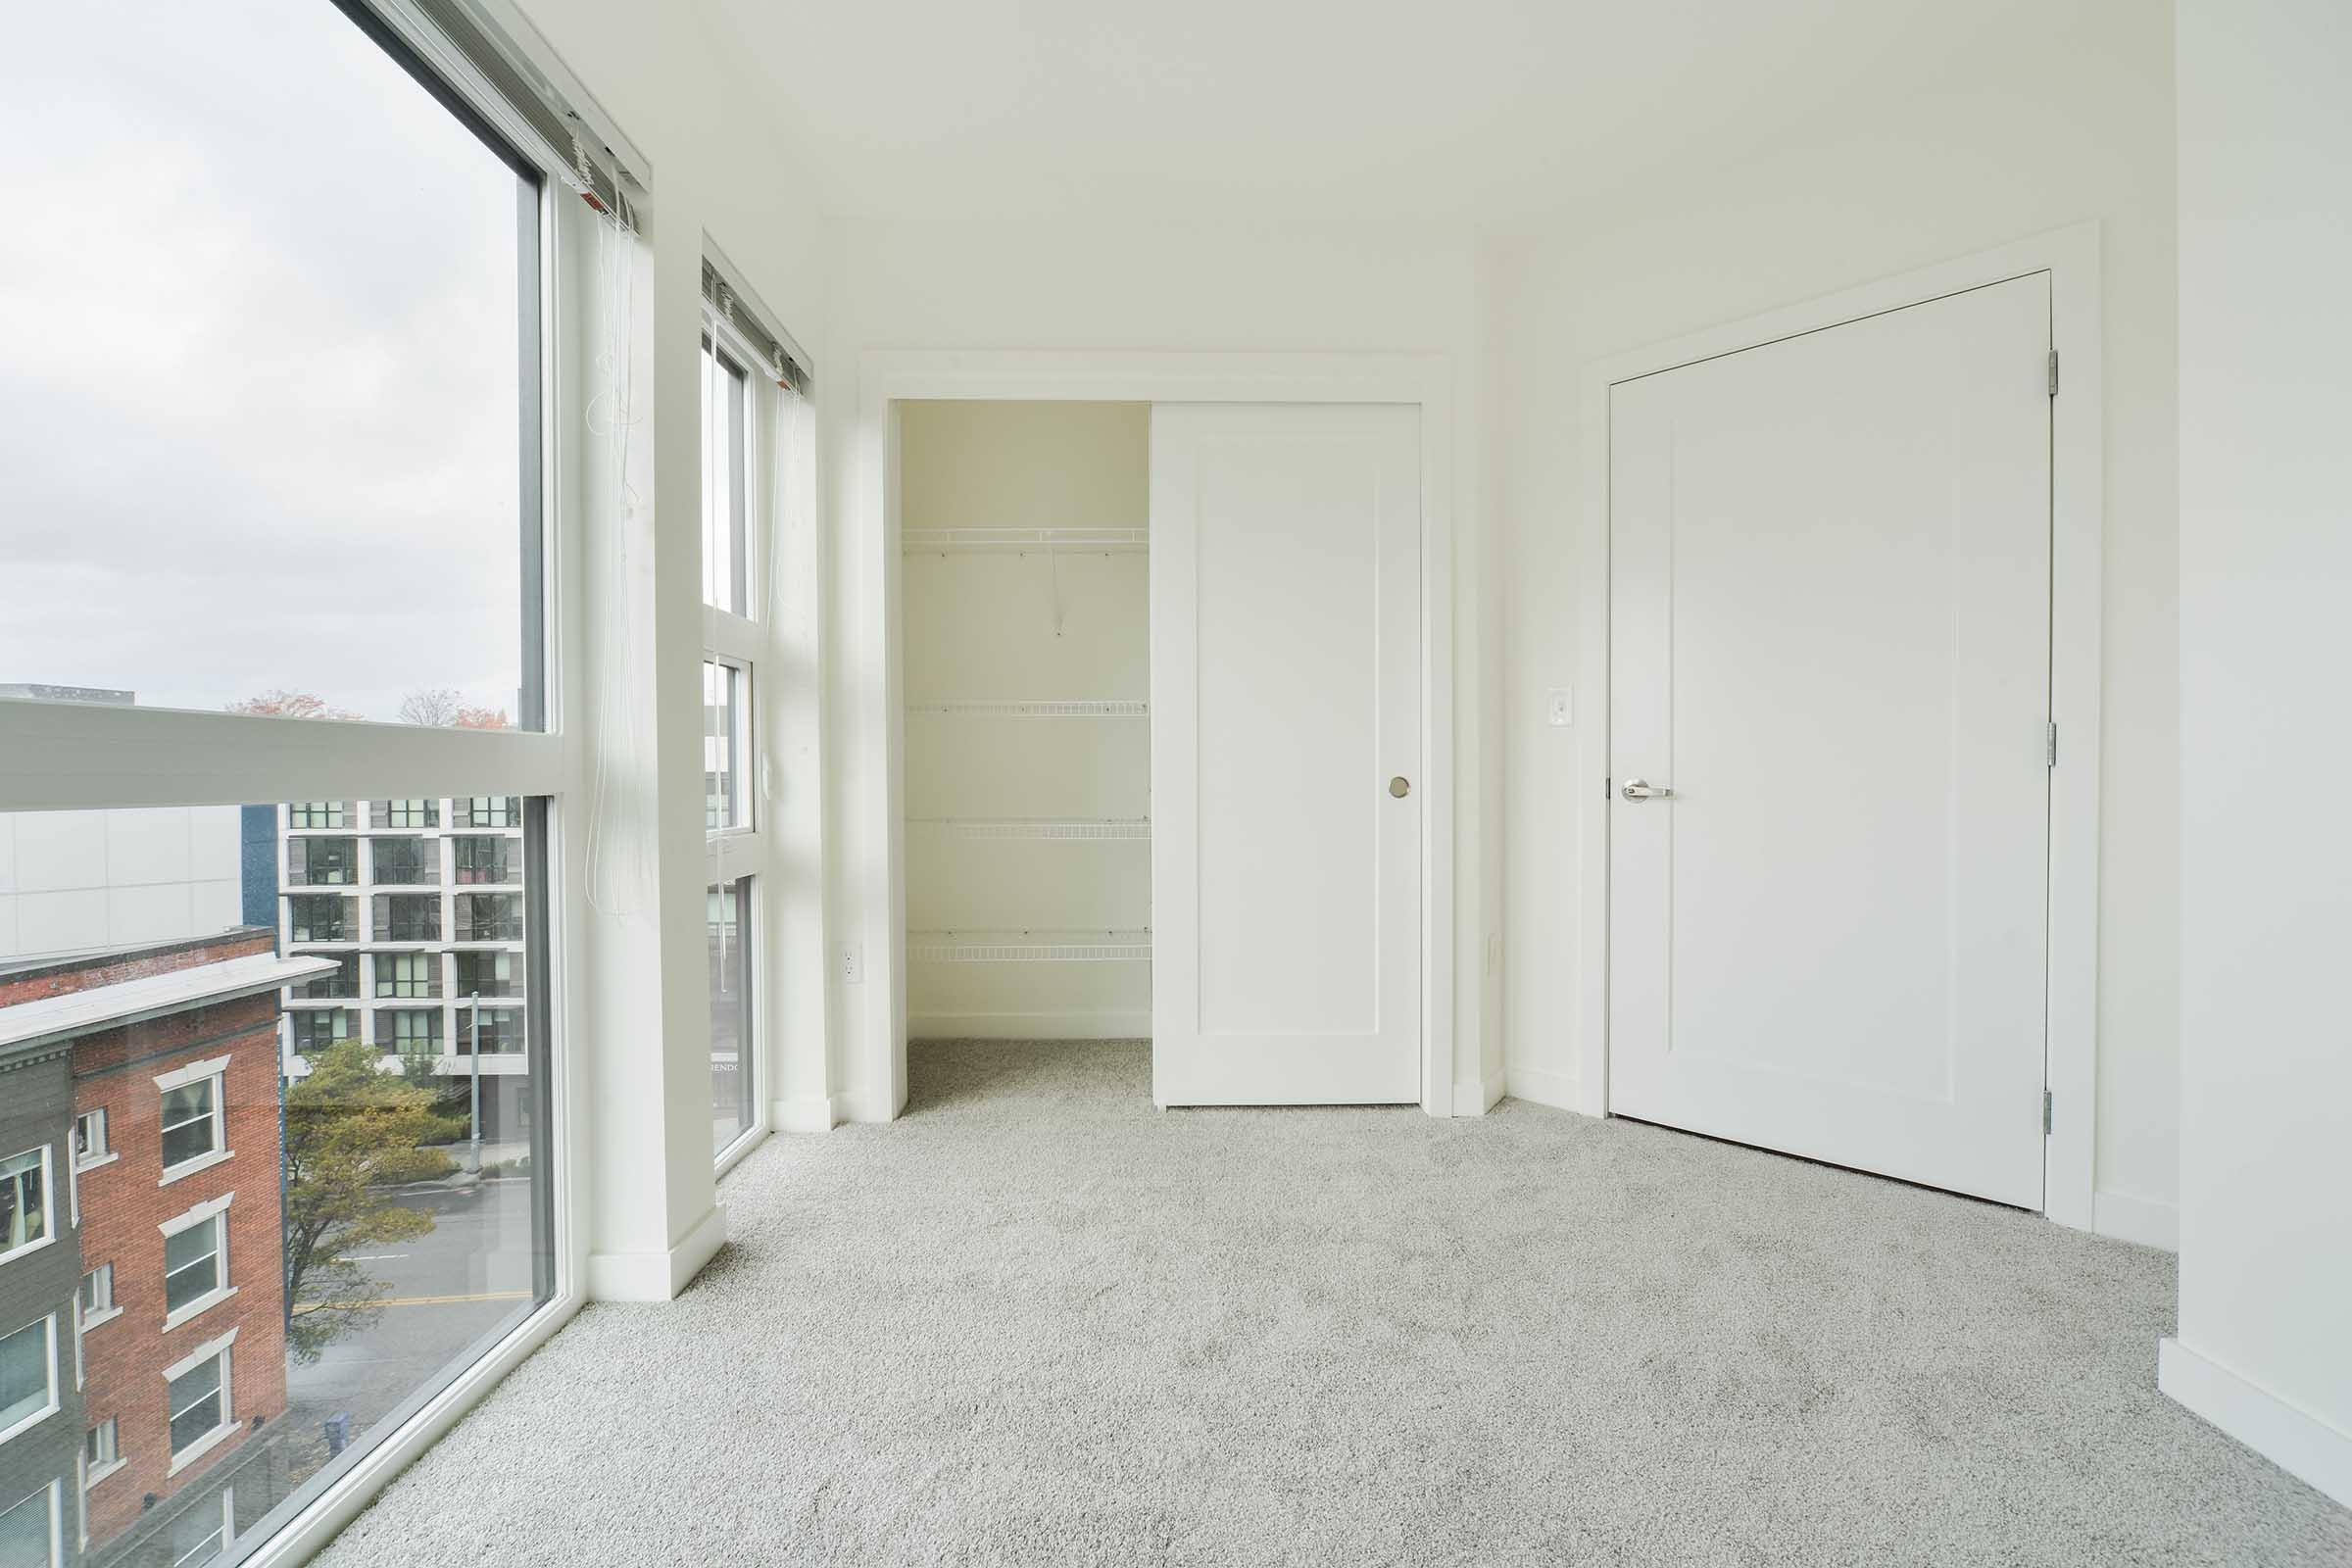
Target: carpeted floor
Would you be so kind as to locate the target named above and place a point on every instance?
(1037, 1322)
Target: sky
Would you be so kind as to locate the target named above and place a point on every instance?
(258, 406)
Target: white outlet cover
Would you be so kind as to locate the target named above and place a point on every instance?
(1559, 706)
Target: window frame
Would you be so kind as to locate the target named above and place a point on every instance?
(46, 1165)
(218, 1351)
(213, 1071)
(46, 1323)
(211, 1214)
(53, 1489)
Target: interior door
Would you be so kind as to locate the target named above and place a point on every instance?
(1829, 605)
(1286, 753)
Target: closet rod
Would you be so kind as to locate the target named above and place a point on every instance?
(998, 541)
(1038, 827)
(1029, 947)
(1016, 708)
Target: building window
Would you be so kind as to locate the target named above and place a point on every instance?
(89, 1138)
(320, 917)
(97, 1293)
(23, 1201)
(195, 1261)
(100, 1449)
(727, 737)
(410, 1031)
(408, 917)
(408, 974)
(199, 1401)
(343, 982)
(319, 813)
(489, 916)
(32, 1531)
(485, 860)
(312, 1029)
(731, 1032)
(408, 813)
(406, 861)
(501, 1031)
(27, 1376)
(489, 811)
(191, 1122)
(205, 1531)
(488, 974)
(316, 862)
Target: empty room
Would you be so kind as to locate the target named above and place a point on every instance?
(894, 783)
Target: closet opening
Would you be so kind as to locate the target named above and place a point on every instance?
(1025, 661)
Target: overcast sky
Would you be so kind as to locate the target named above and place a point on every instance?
(258, 391)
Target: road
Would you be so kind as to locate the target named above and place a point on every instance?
(441, 1292)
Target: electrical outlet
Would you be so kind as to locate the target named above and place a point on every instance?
(849, 964)
(1558, 708)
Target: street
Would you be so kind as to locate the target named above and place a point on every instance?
(442, 1292)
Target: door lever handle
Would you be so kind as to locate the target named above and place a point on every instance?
(1643, 790)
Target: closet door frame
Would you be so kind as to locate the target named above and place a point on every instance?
(873, 1015)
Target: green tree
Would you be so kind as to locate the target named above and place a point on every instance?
(353, 1133)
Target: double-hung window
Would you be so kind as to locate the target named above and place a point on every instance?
(194, 1133)
(199, 1398)
(27, 1376)
(195, 1260)
(33, 1529)
(23, 1201)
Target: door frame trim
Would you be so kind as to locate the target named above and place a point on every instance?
(876, 1057)
(2070, 257)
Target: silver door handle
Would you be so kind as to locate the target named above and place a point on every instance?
(1643, 790)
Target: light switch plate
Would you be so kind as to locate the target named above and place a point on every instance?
(1559, 706)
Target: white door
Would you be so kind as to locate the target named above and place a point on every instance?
(1286, 754)
(1830, 615)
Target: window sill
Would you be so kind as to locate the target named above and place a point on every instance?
(102, 1472)
(201, 1447)
(189, 1167)
(85, 1166)
(33, 1420)
(28, 1246)
(100, 1320)
(197, 1308)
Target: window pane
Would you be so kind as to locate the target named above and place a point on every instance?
(25, 1372)
(24, 1202)
(25, 1532)
(725, 485)
(357, 348)
(732, 1071)
(723, 732)
(355, 1136)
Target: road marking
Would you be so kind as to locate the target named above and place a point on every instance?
(420, 1300)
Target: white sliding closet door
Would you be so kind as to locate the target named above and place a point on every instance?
(1286, 754)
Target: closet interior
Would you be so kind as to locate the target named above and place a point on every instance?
(1027, 668)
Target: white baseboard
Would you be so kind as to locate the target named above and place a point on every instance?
(814, 1113)
(2292, 1439)
(1029, 1026)
(2144, 1220)
(1477, 1096)
(1541, 1085)
(657, 1276)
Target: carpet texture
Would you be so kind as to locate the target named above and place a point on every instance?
(1036, 1322)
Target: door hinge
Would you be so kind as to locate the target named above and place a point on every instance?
(2049, 745)
(2053, 372)
(2045, 1112)
(1608, 789)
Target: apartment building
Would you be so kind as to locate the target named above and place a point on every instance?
(421, 904)
(142, 1199)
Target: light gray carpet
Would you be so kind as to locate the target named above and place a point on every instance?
(1037, 1322)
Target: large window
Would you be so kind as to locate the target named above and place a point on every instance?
(33, 1531)
(489, 974)
(406, 861)
(408, 974)
(310, 1029)
(484, 859)
(191, 1120)
(489, 916)
(27, 1375)
(322, 861)
(322, 918)
(407, 918)
(195, 1261)
(23, 1201)
(198, 1397)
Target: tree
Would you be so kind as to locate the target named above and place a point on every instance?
(435, 705)
(352, 1132)
(280, 702)
(481, 719)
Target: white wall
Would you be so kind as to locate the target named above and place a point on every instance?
(2265, 1343)
(722, 169)
(996, 626)
(70, 881)
(2076, 126)
(1105, 285)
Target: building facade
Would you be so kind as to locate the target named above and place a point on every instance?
(40, 1266)
(159, 1118)
(421, 906)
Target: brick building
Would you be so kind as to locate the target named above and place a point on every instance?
(174, 1160)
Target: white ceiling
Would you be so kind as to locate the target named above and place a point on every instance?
(1485, 110)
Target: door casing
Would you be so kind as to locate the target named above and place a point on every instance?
(875, 1059)
(2070, 258)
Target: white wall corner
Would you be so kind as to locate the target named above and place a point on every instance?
(657, 1276)
(812, 1114)
(1542, 1085)
(2294, 1439)
(1475, 1097)
(2146, 1220)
